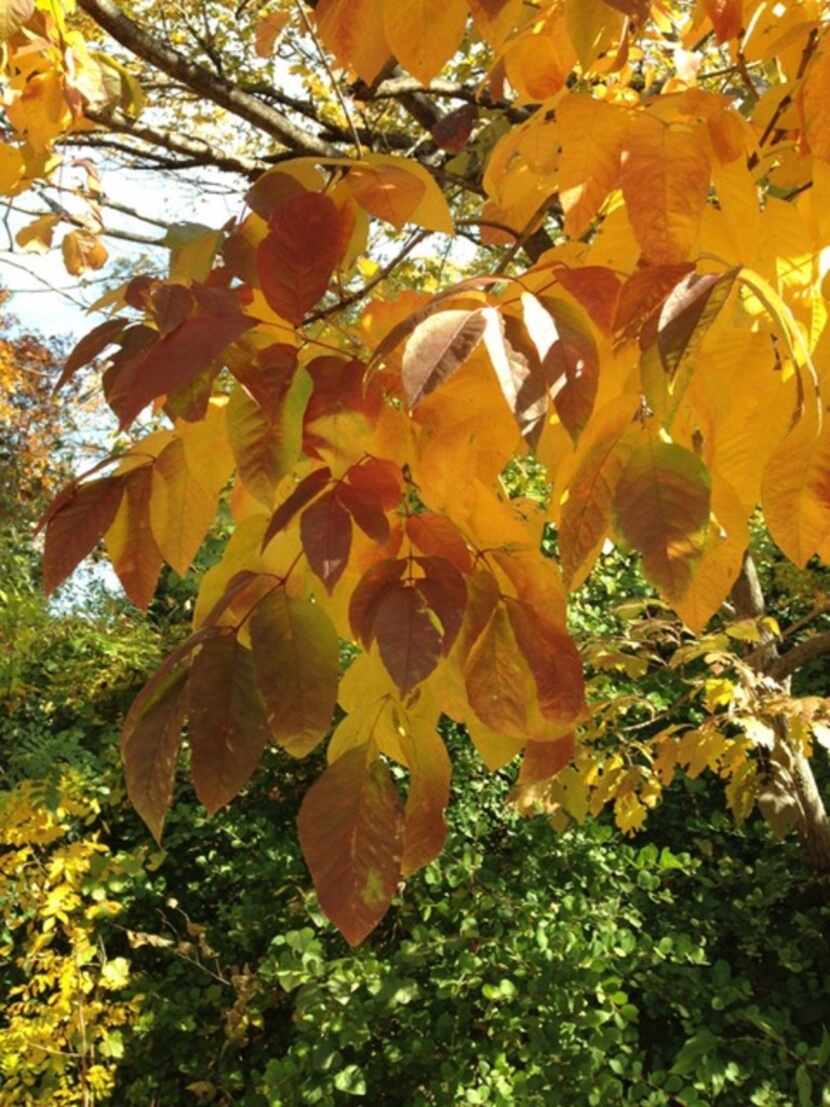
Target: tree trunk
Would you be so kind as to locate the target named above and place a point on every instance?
(790, 798)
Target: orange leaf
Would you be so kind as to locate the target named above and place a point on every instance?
(727, 17)
(437, 536)
(268, 30)
(665, 181)
(132, 548)
(429, 794)
(351, 833)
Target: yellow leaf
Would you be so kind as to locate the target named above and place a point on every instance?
(400, 191)
(354, 32)
(592, 27)
(815, 102)
(665, 180)
(12, 169)
(796, 490)
(83, 251)
(36, 237)
(591, 133)
(424, 34)
(181, 510)
(539, 60)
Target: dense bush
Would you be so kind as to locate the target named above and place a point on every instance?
(690, 965)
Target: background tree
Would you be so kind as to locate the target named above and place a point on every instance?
(661, 170)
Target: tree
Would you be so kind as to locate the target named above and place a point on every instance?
(642, 313)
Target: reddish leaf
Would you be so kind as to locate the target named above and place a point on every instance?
(326, 532)
(171, 304)
(90, 346)
(228, 729)
(553, 660)
(297, 656)
(437, 347)
(270, 378)
(351, 832)
(297, 258)
(132, 548)
(75, 529)
(445, 592)
(409, 643)
(597, 289)
(452, 131)
(380, 478)
(341, 385)
(545, 760)
(306, 490)
(173, 362)
(482, 597)
(572, 368)
(643, 293)
(367, 595)
(366, 511)
(150, 748)
(726, 16)
(436, 536)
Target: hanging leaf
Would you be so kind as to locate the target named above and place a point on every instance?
(662, 508)
(351, 833)
(326, 531)
(228, 730)
(297, 656)
(304, 493)
(409, 642)
(150, 748)
(424, 34)
(74, 530)
(132, 548)
(425, 828)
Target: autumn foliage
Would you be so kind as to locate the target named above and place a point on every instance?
(662, 355)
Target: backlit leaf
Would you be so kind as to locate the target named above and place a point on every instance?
(408, 640)
(131, 546)
(591, 132)
(424, 34)
(437, 347)
(429, 793)
(662, 508)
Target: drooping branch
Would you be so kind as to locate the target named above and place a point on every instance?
(202, 81)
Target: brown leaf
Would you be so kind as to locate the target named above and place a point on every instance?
(437, 536)
(365, 510)
(298, 256)
(425, 828)
(572, 368)
(306, 490)
(597, 289)
(553, 660)
(150, 748)
(379, 477)
(172, 362)
(367, 595)
(351, 833)
(409, 643)
(131, 545)
(445, 592)
(643, 293)
(76, 527)
(228, 729)
(326, 532)
(90, 346)
(453, 130)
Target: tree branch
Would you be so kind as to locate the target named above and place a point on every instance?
(134, 38)
(802, 654)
